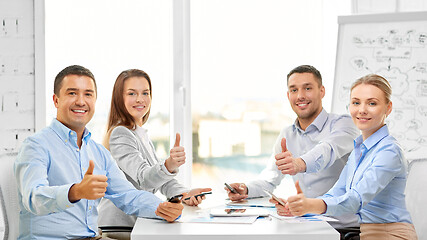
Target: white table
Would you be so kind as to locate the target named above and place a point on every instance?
(261, 229)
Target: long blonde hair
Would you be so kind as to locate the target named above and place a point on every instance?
(118, 115)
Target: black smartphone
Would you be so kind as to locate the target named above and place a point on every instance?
(231, 188)
(175, 199)
(198, 195)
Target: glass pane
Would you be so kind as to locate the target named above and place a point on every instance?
(241, 52)
(109, 36)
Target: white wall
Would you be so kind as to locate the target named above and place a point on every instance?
(383, 6)
(17, 73)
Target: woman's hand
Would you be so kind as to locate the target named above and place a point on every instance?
(177, 156)
(300, 205)
(194, 201)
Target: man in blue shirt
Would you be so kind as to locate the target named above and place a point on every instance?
(62, 174)
(313, 150)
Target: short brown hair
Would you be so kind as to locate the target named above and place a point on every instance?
(71, 70)
(306, 69)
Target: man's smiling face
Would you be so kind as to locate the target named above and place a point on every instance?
(75, 102)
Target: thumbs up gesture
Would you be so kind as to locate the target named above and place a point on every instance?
(299, 205)
(286, 163)
(283, 145)
(177, 156)
(91, 187)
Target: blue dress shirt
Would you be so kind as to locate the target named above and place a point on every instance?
(48, 164)
(373, 182)
(324, 146)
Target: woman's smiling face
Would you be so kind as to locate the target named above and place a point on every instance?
(368, 108)
(137, 99)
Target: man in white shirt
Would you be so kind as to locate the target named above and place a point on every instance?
(313, 150)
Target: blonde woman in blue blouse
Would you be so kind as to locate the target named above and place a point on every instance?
(372, 184)
(134, 152)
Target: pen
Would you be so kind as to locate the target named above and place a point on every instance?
(248, 198)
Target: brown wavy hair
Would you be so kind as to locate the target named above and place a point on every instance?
(119, 116)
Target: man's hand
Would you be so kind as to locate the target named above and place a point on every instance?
(169, 211)
(177, 156)
(193, 201)
(91, 187)
(286, 163)
(240, 188)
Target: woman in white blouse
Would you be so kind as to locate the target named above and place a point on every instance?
(133, 150)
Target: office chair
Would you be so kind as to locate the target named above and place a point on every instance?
(116, 232)
(109, 228)
(349, 233)
(9, 197)
(416, 196)
(2, 214)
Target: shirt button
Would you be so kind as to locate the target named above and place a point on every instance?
(72, 133)
(66, 140)
(77, 149)
(90, 208)
(67, 206)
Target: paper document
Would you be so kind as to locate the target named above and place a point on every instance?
(239, 212)
(210, 219)
(253, 202)
(326, 218)
(305, 218)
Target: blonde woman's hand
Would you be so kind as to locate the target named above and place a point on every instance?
(299, 205)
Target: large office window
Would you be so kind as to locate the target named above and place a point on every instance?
(109, 36)
(241, 52)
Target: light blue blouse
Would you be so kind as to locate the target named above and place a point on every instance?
(372, 184)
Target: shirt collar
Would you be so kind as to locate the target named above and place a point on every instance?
(373, 139)
(318, 123)
(67, 134)
(142, 132)
(141, 129)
